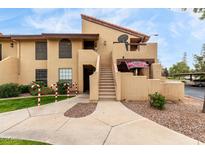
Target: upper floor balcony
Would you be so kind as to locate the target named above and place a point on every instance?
(145, 51)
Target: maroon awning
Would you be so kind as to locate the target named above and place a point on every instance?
(136, 64)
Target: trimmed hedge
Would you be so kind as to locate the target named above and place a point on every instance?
(24, 89)
(9, 90)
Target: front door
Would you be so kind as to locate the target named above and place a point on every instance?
(87, 71)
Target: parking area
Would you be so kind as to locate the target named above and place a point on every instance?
(197, 92)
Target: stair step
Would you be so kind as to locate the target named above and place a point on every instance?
(106, 70)
(102, 76)
(107, 93)
(106, 84)
(106, 78)
(107, 97)
(106, 90)
(105, 73)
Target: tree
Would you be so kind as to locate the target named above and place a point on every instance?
(165, 72)
(180, 67)
(199, 62)
(199, 11)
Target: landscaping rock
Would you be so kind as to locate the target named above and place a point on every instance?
(185, 117)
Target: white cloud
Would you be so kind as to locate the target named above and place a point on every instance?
(48, 21)
(190, 23)
(146, 26)
(53, 23)
(198, 27)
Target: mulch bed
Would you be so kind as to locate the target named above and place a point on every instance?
(81, 110)
(184, 117)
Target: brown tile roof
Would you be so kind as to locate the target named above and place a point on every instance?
(116, 27)
(45, 36)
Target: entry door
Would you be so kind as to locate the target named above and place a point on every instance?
(0, 52)
(87, 71)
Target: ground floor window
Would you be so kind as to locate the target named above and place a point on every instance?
(65, 75)
(41, 75)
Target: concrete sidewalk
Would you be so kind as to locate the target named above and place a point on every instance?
(111, 123)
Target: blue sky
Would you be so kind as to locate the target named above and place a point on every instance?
(178, 31)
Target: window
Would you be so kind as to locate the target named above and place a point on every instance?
(89, 44)
(0, 52)
(41, 75)
(133, 41)
(65, 49)
(41, 50)
(65, 74)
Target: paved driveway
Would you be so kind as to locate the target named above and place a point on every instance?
(111, 123)
(197, 92)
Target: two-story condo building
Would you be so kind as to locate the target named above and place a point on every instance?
(94, 59)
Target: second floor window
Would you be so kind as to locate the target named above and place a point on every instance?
(65, 48)
(41, 50)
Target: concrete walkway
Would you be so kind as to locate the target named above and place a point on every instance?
(111, 123)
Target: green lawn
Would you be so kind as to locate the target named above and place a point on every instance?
(16, 104)
(4, 141)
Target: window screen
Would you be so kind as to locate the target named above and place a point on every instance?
(65, 49)
(65, 74)
(41, 50)
(41, 75)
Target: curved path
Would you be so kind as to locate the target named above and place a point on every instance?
(111, 123)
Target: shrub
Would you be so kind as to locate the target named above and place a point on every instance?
(41, 83)
(24, 89)
(9, 90)
(61, 88)
(157, 100)
(47, 91)
(44, 91)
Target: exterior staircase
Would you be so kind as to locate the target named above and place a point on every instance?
(106, 84)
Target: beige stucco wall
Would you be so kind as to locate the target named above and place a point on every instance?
(25, 51)
(106, 39)
(9, 70)
(7, 50)
(154, 86)
(156, 70)
(134, 87)
(54, 62)
(94, 82)
(85, 57)
(173, 90)
(28, 64)
(148, 51)
(139, 87)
